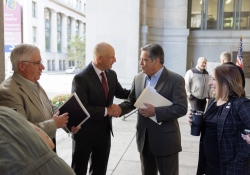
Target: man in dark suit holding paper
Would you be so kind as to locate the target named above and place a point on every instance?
(96, 87)
(159, 143)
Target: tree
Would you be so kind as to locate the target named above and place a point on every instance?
(76, 50)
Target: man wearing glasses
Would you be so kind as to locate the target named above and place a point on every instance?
(23, 92)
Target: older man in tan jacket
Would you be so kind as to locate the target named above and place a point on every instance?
(23, 92)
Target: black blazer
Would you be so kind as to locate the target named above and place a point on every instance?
(88, 87)
(163, 139)
(234, 151)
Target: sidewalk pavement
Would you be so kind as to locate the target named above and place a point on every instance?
(124, 157)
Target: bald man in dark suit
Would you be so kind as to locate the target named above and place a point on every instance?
(96, 87)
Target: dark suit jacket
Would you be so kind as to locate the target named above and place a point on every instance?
(164, 139)
(88, 87)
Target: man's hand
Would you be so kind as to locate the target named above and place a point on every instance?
(190, 118)
(74, 130)
(114, 110)
(149, 111)
(60, 120)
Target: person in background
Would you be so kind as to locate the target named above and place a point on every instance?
(23, 151)
(222, 150)
(196, 84)
(158, 142)
(225, 58)
(96, 87)
(23, 92)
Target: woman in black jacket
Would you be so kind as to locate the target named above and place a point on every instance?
(222, 149)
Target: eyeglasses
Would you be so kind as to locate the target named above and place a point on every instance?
(37, 63)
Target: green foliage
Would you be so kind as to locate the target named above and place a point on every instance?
(60, 99)
(76, 50)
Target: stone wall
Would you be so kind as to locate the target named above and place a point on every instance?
(2, 61)
(117, 23)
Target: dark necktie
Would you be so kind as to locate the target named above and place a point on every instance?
(104, 85)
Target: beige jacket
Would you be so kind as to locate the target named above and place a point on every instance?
(15, 93)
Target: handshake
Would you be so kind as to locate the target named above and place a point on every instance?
(114, 110)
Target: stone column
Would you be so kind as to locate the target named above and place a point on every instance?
(73, 27)
(53, 32)
(2, 59)
(27, 29)
(80, 29)
(64, 34)
(40, 32)
(144, 26)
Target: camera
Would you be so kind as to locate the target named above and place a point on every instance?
(197, 120)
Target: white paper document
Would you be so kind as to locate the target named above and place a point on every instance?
(149, 95)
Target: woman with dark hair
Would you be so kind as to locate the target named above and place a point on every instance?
(222, 149)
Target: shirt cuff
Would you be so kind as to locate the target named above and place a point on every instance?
(106, 112)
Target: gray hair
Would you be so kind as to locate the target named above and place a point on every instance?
(226, 56)
(201, 59)
(22, 52)
(154, 51)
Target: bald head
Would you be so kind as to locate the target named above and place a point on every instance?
(101, 49)
(103, 56)
(225, 57)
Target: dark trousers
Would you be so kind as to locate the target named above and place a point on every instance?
(197, 104)
(150, 164)
(97, 154)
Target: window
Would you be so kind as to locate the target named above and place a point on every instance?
(84, 28)
(64, 65)
(59, 32)
(60, 65)
(49, 65)
(53, 65)
(47, 29)
(219, 14)
(33, 9)
(71, 63)
(80, 5)
(34, 34)
(244, 15)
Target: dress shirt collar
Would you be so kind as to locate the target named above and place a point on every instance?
(98, 71)
(33, 86)
(153, 79)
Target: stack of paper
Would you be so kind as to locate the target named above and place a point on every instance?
(149, 95)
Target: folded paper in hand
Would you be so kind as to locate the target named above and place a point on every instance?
(76, 111)
(149, 95)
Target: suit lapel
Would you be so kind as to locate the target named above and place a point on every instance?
(162, 80)
(96, 81)
(140, 85)
(28, 92)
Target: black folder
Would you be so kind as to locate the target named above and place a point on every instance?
(77, 112)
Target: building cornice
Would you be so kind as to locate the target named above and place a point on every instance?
(67, 6)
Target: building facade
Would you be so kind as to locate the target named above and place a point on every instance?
(186, 29)
(50, 24)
